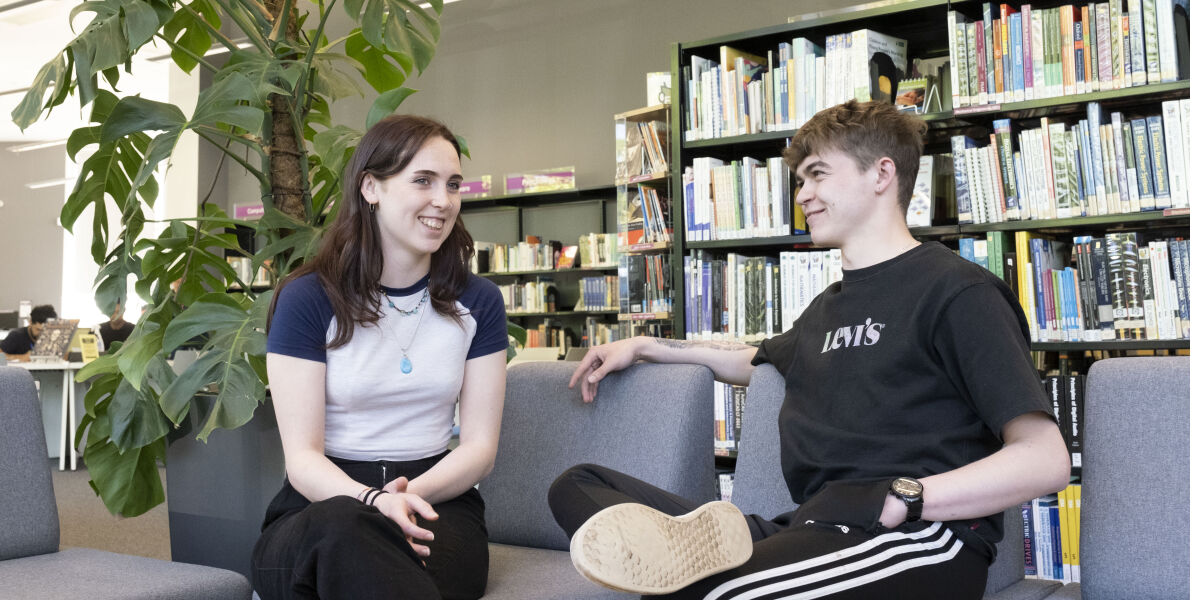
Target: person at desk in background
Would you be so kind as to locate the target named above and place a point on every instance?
(20, 341)
(117, 329)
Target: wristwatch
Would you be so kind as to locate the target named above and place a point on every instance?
(909, 491)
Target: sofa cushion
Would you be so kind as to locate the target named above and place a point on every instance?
(651, 421)
(518, 573)
(99, 575)
(29, 519)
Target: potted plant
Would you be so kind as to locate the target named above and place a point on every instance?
(267, 111)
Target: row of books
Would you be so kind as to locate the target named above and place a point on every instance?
(596, 332)
(1012, 54)
(599, 249)
(1119, 287)
(643, 216)
(745, 298)
(1092, 168)
(645, 283)
(1050, 527)
(244, 267)
(744, 94)
(599, 293)
(740, 199)
(642, 151)
(536, 296)
(550, 334)
(729, 402)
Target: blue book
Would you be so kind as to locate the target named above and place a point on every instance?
(966, 248)
(1055, 541)
(1016, 45)
(1039, 291)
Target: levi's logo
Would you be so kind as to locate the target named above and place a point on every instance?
(866, 334)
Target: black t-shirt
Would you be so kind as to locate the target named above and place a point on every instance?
(17, 342)
(910, 367)
(110, 335)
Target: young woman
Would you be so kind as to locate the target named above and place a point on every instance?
(370, 345)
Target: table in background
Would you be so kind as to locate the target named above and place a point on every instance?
(67, 418)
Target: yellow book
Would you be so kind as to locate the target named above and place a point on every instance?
(1076, 506)
(88, 347)
(1064, 534)
(1025, 278)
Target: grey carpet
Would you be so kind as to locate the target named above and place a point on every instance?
(85, 523)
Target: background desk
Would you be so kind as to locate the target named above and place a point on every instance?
(62, 444)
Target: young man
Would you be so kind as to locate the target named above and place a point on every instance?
(913, 414)
(20, 341)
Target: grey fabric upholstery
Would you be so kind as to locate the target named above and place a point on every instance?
(28, 514)
(759, 488)
(1134, 524)
(653, 422)
(1071, 591)
(650, 421)
(98, 575)
(519, 573)
(31, 565)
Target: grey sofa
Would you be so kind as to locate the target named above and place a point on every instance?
(759, 489)
(1134, 522)
(651, 421)
(31, 564)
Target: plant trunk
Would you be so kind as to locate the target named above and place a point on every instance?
(288, 183)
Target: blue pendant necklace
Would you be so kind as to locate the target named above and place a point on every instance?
(406, 363)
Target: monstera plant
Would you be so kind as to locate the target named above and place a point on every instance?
(275, 71)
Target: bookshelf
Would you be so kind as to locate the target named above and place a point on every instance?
(923, 24)
(560, 215)
(645, 220)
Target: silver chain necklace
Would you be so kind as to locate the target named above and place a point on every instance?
(406, 366)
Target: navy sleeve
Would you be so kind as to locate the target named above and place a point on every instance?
(483, 299)
(302, 317)
(987, 358)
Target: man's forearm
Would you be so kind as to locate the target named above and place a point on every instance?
(729, 361)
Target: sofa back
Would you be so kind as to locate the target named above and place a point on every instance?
(758, 486)
(1134, 522)
(651, 421)
(28, 513)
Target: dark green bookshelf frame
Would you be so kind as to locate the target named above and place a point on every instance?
(549, 271)
(562, 313)
(600, 192)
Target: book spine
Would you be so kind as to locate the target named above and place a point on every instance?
(989, 35)
(1173, 132)
(1141, 147)
(1104, 46)
(1158, 162)
(1116, 43)
(1149, 301)
(1150, 36)
(1116, 280)
(1137, 45)
(1016, 49)
(1038, 54)
(1092, 50)
(1003, 128)
(1027, 49)
(1029, 540)
(1168, 65)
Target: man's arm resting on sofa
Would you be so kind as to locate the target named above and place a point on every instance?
(729, 361)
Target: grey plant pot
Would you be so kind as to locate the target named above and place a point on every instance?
(217, 492)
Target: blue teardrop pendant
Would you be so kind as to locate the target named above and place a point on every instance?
(406, 366)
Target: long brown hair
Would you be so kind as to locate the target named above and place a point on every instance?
(349, 263)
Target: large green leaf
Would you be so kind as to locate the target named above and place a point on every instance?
(189, 33)
(382, 70)
(213, 312)
(136, 419)
(386, 104)
(128, 482)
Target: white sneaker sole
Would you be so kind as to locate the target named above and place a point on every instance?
(634, 548)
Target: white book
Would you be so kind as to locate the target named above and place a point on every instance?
(1177, 169)
(832, 56)
(1137, 42)
(1116, 43)
(920, 206)
(1168, 65)
(1038, 54)
(1185, 117)
(1103, 47)
(1149, 294)
(820, 97)
(958, 57)
(802, 282)
(868, 46)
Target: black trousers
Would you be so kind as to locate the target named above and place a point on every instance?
(342, 548)
(796, 555)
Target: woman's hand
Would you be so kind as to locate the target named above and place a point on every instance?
(402, 507)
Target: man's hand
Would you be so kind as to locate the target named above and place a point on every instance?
(402, 507)
(602, 360)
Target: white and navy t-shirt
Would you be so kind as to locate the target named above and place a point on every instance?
(373, 410)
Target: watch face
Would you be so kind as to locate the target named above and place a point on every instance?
(907, 486)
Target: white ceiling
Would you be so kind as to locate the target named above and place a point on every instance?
(36, 30)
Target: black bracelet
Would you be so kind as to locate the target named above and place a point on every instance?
(374, 495)
(368, 495)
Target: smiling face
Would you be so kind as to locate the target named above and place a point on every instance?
(836, 197)
(417, 207)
